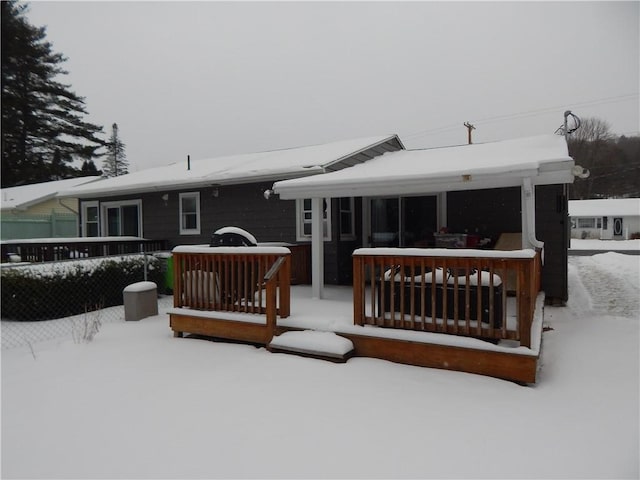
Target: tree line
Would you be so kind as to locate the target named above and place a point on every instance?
(44, 132)
(613, 162)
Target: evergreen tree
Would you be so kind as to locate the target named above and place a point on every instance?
(115, 162)
(40, 115)
(89, 169)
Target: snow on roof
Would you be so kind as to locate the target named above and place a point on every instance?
(243, 168)
(24, 196)
(490, 165)
(623, 207)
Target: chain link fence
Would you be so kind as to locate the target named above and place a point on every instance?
(56, 300)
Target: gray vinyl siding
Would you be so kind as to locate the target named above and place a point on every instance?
(338, 266)
(494, 211)
(487, 212)
(243, 206)
(553, 228)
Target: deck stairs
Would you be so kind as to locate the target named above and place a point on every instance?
(313, 344)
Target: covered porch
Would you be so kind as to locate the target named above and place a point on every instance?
(466, 309)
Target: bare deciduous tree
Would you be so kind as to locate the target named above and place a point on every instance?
(591, 147)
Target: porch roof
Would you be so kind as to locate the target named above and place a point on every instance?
(544, 159)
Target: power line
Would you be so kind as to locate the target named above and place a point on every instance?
(530, 113)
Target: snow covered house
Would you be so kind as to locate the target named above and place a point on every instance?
(469, 234)
(33, 211)
(605, 219)
(494, 221)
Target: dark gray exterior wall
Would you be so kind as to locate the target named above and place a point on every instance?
(243, 206)
(486, 212)
(553, 228)
(494, 211)
(338, 265)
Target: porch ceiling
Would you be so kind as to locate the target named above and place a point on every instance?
(543, 159)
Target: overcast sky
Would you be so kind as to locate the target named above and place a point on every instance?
(213, 78)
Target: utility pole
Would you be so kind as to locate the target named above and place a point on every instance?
(469, 128)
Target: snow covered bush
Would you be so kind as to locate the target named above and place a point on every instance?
(56, 290)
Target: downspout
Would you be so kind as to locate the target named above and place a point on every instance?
(67, 207)
(529, 216)
(72, 211)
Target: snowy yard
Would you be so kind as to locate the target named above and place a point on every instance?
(138, 403)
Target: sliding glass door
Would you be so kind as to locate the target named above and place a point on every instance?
(403, 221)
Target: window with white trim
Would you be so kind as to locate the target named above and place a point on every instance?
(586, 222)
(347, 218)
(120, 219)
(303, 219)
(90, 219)
(190, 213)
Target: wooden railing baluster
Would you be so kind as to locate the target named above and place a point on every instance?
(413, 292)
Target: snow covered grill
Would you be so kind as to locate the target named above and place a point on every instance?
(232, 237)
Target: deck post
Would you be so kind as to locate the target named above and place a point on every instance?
(525, 302)
(284, 287)
(317, 247)
(358, 291)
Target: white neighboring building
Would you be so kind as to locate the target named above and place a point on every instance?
(606, 219)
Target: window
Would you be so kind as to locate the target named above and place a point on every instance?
(586, 223)
(90, 219)
(347, 220)
(190, 213)
(121, 219)
(303, 222)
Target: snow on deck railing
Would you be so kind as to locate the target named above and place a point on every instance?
(248, 280)
(446, 252)
(417, 289)
(55, 249)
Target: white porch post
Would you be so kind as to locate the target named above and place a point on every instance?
(317, 247)
(528, 203)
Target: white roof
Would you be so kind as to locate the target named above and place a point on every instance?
(623, 207)
(544, 159)
(24, 196)
(233, 169)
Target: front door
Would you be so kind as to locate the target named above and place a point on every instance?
(617, 227)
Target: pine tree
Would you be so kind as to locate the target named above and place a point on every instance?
(115, 162)
(89, 169)
(40, 115)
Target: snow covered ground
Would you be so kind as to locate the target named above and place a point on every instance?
(604, 245)
(138, 403)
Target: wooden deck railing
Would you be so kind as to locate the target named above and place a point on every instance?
(233, 279)
(49, 250)
(469, 292)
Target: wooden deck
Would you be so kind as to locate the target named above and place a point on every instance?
(510, 353)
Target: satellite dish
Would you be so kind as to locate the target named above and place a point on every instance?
(580, 172)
